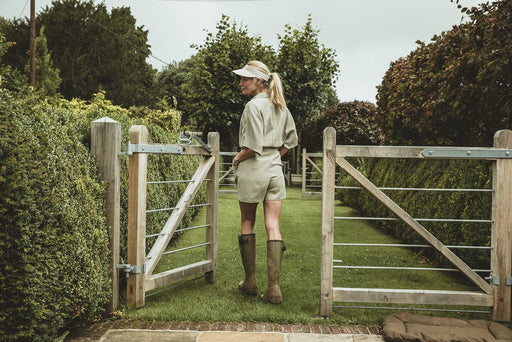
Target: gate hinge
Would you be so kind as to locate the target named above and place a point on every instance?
(152, 148)
(495, 280)
(134, 269)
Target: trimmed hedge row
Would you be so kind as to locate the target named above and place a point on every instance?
(53, 233)
(354, 122)
(441, 174)
(159, 167)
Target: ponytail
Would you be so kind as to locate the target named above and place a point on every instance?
(275, 90)
(274, 85)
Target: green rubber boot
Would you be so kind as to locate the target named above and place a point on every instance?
(247, 243)
(275, 249)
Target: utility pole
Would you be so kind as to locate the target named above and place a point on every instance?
(33, 43)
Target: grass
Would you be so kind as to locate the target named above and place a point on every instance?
(221, 301)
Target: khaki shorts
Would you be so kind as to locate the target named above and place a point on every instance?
(261, 178)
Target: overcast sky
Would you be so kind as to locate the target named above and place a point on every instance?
(367, 35)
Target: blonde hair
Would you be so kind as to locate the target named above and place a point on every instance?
(275, 87)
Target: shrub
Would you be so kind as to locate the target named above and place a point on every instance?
(354, 123)
(53, 234)
(159, 167)
(455, 90)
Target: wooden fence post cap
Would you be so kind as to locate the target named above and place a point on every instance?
(105, 119)
(329, 130)
(503, 137)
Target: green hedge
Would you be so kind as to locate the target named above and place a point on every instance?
(53, 234)
(441, 174)
(159, 167)
(353, 121)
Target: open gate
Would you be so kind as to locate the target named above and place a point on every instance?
(496, 294)
(311, 174)
(141, 267)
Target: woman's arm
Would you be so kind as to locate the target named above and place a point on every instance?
(246, 153)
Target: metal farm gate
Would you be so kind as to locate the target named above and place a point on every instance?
(141, 267)
(311, 174)
(495, 294)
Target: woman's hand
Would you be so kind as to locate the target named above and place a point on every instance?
(282, 150)
(246, 153)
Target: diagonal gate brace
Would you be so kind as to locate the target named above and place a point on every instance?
(402, 214)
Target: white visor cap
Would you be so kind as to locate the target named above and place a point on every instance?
(249, 71)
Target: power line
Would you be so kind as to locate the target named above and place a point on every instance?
(126, 40)
(110, 31)
(23, 10)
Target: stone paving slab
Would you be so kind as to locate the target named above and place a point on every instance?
(133, 335)
(241, 336)
(149, 336)
(123, 330)
(332, 338)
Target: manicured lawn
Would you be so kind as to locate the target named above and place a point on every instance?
(300, 277)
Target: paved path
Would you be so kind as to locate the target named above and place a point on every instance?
(226, 336)
(131, 331)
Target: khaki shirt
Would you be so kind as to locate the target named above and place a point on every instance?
(264, 125)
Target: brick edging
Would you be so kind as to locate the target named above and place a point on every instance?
(96, 330)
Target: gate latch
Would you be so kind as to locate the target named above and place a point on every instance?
(495, 280)
(127, 269)
(184, 140)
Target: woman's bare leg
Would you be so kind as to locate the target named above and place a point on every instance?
(248, 217)
(272, 211)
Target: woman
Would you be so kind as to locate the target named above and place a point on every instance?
(267, 132)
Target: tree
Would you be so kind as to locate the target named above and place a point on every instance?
(457, 90)
(4, 46)
(10, 78)
(17, 32)
(47, 77)
(93, 49)
(208, 93)
(309, 71)
(212, 100)
(126, 75)
(169, 83)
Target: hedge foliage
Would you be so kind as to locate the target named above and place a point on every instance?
(163, 127)
(354, 122)
(441, 174)
(455, 90)
(53, 234)
(54, 253)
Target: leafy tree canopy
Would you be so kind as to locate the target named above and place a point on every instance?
(212, 100)
(208, 93)
(309, 71)
(456, 90)
(47, 77)
(93, 49)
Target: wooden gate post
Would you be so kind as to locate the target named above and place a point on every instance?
(502, 229)
(212, 197)
(328, 183)
(135, 292)
(105, 146)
